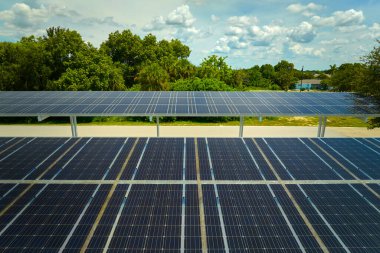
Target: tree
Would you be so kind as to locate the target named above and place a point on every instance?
(198, 84)
(267, 71)
(90, 70)
(371, 82)
(348, 77)
(61, 45)
(153, 77)
(284, 74)
(215, 67)
(22, 65)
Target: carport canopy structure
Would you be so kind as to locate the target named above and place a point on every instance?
(43, 104)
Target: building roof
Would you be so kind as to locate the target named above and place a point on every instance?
(310, 81)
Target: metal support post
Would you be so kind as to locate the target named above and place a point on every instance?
(158, 126)
(319, 127)
(73, 122)
(241, 126)
(324, 126)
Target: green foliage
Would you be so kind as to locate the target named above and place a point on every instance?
(135, 53)
(60, 46)
(90, 70)
(348, 77)
(198, 84)
(153, 77)
(215, 67)
(285, 74)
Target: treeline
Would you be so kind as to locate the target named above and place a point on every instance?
(62, 60)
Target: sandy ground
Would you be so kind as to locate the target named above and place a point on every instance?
(183, 131)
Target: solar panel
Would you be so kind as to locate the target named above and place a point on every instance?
(189, 194)
(161, 103)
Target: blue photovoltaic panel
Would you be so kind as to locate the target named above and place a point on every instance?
(231, 160)
(91, 103)
(31, 158)
(192, 223)
(245, 207)
(102, 232)
(162, 160)
(212, 221)
(353, 219)
(252, 220)
(151, 220)
(44, 224)
(301, 162)
(362, 160)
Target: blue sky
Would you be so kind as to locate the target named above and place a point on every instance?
(314, 34)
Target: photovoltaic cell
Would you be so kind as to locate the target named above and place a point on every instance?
(301, 162)
(231, 160)
(57, 103)
(151, 220)
(361, 160)
(352, 218)
(243, 214)
(163, 160)
(44, 224)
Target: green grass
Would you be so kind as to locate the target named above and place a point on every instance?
(249, 121)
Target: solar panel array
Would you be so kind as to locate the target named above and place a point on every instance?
(96, 103)
(189, 195)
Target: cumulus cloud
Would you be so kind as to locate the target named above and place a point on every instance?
(235, 31)
(300, 50)
(264, 36)
(242, 21)
(23, 16)
(235, 42)
(306, 10)
(335, 41)
(221, 46)
(179, 23)
(304, 33)
(181, 17)
(157, 24)
(340, 18)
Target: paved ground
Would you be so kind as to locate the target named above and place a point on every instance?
(184, 131)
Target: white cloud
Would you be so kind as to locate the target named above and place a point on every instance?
(304, 33)
(221, 46)
(306, 10)
(335, 41)
(23, 16)
(264, 36)
(235, 31)
(188, 33)
(235, 42)
(300, 50)
(157, 24)
(179, 23)
(242, 21)
(340, 18)
(181, 17)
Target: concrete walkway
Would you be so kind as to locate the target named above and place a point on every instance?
(182, 131)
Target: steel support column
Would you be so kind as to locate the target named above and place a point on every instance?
(73, 122)
(158, 126)
(324, 126)
(241, 126)
(319, 127)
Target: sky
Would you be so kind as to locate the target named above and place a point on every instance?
(248, 32)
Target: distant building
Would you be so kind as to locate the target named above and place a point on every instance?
(308, 84)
